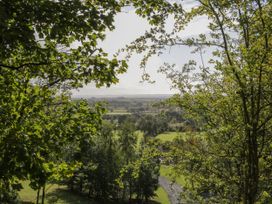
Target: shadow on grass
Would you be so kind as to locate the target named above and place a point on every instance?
(151, 202)
(68, 197)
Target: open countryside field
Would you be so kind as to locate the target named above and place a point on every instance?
(119, 112)
(170, 136)
(118, 105)
(135, 101)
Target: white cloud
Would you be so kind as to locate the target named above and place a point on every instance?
(128, 27)
(130, 81)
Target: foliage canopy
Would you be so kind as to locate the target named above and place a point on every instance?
(230, 98)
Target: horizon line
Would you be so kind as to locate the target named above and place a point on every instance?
(119, 95)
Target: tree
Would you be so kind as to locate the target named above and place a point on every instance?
(112, 168)
(148, 175)
(231, 99)
(47, 47)
(152, 125)
(127, 140)
(101, 163)
(127, 144)
(70, 122)
(56, 41)
(142, 173)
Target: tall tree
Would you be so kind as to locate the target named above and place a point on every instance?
(47, 47)
(230, 99)
(56, 41)
(142, 173)
(127, 140)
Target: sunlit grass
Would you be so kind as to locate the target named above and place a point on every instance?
(27, 194)
(55, 194)
(169, 173)
(169, 136)
(119, 112)
(161, 196)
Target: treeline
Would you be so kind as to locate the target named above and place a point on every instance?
(48, 48)
(116, 165)
(227, 93)
(131, 104)
(153, 124)
(69, 143)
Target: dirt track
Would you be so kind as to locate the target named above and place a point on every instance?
(172, 189)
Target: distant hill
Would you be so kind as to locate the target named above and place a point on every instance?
(147, 96)
(128, 104)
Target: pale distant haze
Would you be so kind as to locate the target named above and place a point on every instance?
(128, 26)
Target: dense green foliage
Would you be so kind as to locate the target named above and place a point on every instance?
(114, 167)
(230, 99)
(55, 42)
(48, 47)
(150, 115)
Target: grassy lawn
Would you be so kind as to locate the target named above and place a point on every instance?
(161, 197)
(168, 136)
(119, 112)
(168, 172)
(55, 194)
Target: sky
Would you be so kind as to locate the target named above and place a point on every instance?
(128, 26)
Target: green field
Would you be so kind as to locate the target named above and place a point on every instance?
(169, 136)
(168, 172)
(119, 112)
(60, 195)
(56, 194)
(161, 197)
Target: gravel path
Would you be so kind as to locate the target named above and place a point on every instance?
(172, 189)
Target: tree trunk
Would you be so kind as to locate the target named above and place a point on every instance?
(90, 192)
(43, 194)
(130, 191)
(38, 196)
(81, 186)
(252, 174)
(124, 192)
